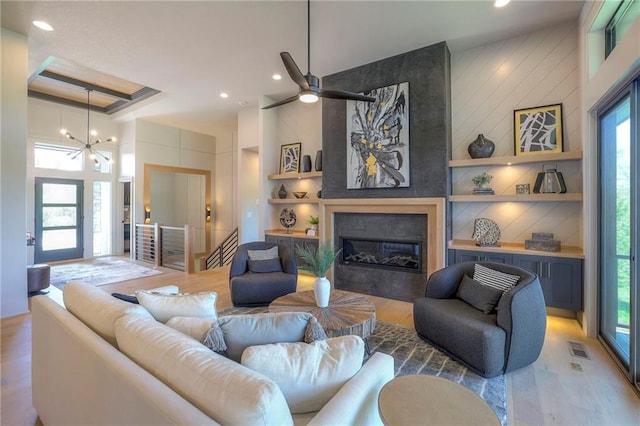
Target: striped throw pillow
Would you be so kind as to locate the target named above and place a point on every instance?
(493, 278)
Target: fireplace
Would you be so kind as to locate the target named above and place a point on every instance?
(385, 254)
(408, 225)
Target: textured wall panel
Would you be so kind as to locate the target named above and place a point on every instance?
(487, 84)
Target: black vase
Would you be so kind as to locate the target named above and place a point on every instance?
(319, 161)
(306, 163)
(481, 147)
(282, 193)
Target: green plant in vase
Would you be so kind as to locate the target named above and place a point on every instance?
(482, 180)
(313, 221)
(318, 261)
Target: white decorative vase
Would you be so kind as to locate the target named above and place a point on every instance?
(322, 291)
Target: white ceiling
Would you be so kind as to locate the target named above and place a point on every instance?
(192, 51)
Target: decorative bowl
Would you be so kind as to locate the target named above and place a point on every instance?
(299, 194)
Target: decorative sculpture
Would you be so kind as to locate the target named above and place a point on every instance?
(485, 232)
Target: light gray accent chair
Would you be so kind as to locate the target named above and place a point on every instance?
(260, 289)
(504, 340)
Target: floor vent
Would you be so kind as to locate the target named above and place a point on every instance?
(578, 350)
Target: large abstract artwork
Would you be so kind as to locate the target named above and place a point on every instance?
(378, 139)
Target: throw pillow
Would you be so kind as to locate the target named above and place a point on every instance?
(271, 253)
(165, 306)
(267, 265)
(478, 295)
(493, 278)
(309, 375)
(194, 327)
(171, 289)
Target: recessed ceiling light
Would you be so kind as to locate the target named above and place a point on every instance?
(501, 3)
(276, 77)
(224, 95)
(43, 25)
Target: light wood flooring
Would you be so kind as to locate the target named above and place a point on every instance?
(558, 389)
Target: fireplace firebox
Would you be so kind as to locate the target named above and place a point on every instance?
(387, 254)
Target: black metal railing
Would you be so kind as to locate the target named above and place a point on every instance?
(223, 254)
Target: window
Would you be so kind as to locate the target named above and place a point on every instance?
(101, 164)
(57, 157)
(621, 21)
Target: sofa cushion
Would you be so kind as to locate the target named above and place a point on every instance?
(97, 308)
(309, 375)
(493, 278)
(191, 326)
(267, 265)
(267, 254)
(224, 390)
(242, 331)
(478, 295)
(165, 306)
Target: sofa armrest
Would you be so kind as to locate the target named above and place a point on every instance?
(356, 403)
(522, 314)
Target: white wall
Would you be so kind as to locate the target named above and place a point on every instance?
(487, 84)
(600, 79)
(248, 176)
(13, 249)
(225, 214)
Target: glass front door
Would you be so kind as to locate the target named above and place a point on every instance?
(58, 218)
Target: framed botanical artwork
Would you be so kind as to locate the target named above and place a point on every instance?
(290, 158)
(538, 130)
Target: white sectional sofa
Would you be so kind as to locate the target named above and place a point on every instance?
(87, 368)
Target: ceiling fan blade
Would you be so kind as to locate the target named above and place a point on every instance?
(282, 102)
(344, 94)
(294, 71)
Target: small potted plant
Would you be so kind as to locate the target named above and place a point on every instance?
(482, 180)
(318, 261)
(313, 222)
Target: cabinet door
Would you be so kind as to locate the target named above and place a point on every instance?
(481, 256)
(560, 278)
(307, 243)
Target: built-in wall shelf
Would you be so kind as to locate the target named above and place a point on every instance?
(520, 198)
(306, 175)
(294, 200)
(520, 159)
(515, 248)
(291, 234)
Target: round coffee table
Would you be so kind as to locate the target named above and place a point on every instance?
(407, 400)
(347, 313)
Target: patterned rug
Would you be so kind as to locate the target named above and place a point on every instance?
(98, 272)
(412, 355)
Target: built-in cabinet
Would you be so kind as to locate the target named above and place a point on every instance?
(560, 273)
(291, 240)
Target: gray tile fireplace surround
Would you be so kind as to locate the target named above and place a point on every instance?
(393, 283)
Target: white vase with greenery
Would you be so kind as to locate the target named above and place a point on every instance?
(318, 261)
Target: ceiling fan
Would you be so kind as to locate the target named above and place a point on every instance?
(309, 84)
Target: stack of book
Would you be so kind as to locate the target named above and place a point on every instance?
(483, 191)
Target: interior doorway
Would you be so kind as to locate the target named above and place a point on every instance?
(124, 216)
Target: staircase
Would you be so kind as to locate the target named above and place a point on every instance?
(223, 254)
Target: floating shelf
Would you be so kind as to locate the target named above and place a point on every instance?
(294, 200)
(565, 251)
(514, 198)
(520, 159)
(306, 175)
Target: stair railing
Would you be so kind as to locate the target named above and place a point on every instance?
(223, 254)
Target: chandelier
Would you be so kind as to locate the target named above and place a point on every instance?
(88, 145)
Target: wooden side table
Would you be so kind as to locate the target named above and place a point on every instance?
(347, 313)
(423, 399)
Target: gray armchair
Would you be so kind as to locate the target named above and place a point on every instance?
(490, 344)
(249, 288)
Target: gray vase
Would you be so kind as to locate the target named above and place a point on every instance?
(481, 147)
(306, 163)
(282, 193)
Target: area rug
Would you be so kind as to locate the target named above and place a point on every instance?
(412, 355)
(99, 272)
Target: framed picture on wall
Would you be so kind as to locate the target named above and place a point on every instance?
(538, 130)
(290, 158)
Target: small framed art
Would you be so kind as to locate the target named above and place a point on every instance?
(538, 130)
(290, 158)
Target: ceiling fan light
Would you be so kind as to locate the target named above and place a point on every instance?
(308, 97)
